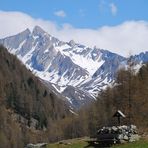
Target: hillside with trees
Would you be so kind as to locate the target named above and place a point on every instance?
(29, 111)
(129, 94)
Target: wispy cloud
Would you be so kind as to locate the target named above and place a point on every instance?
(60, 13)
(82, 12)
(113, 9)
(105, 6)
(128, 37)
(102, 5)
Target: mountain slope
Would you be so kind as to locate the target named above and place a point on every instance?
(66, 65)
(22, 92)
(28, 108)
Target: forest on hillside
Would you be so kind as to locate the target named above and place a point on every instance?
(29, 112)
(129, 94)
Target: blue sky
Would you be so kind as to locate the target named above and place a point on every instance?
(81, 13)
(120, 26)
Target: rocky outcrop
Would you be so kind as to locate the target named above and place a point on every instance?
(118, 134)
(38, 145)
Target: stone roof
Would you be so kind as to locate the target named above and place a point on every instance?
(118, 113)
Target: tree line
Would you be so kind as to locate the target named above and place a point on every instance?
(128, 94)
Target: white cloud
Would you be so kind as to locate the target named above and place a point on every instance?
(128, 37)
(14, 22)
(113, 9)
(60, 13)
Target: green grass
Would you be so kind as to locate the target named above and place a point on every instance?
(138, 144)
(74, 143)
(81, 143)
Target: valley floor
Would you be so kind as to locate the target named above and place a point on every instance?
(82, 143)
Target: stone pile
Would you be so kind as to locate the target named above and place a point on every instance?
(38, 145)
(118, 134)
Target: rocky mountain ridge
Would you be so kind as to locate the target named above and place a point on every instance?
(73, 70)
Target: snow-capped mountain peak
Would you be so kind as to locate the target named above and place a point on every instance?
(73, 70)
(37, 31)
